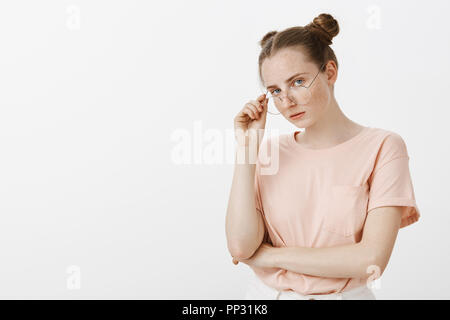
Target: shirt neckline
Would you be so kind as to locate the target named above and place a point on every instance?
(297, 146)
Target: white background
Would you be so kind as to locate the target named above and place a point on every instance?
(92, 94)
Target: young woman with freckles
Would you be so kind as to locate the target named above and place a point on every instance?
(324, 225)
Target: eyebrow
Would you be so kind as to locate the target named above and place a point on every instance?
(289, 79)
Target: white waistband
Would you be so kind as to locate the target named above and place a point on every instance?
(362, 291)
(335, 295)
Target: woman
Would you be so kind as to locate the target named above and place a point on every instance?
(323, 225)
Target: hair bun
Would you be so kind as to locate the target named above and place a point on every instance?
(325, 27)
(269, 35)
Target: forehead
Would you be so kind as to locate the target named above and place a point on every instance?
(276, 69)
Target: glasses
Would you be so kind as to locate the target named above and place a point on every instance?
(300, 91)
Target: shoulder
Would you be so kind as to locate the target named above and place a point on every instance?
(390, 144)
(384, 134)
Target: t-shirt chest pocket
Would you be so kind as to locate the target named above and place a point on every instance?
(345, 209)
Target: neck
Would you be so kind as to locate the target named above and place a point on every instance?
(333, 128)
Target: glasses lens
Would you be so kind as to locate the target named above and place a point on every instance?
(299, 94)
(271, 107)
(303, 95)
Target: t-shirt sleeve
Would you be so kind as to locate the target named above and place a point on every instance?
(390, 182)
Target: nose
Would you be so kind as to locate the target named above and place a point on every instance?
(287, 95)
(287, 101)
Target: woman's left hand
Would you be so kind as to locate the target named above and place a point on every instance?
(263, 257)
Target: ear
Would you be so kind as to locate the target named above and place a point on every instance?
(331, 72)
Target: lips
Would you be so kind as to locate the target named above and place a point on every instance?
(293, 115)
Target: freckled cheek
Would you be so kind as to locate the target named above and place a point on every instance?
(319, 99)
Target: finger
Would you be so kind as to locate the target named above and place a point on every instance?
(261, 97)
(253, 106)
(246, 112)
(251, 112)
(264, 103)
(257, 105)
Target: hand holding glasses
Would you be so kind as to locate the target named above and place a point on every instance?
(301, 91)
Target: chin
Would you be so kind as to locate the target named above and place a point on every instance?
(301, 123)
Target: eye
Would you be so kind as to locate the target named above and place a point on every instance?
(274, 92)
(299, 84)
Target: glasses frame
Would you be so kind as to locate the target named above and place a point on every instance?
(306, 87)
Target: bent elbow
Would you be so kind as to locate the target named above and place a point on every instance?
(374, 267)
(240, 252)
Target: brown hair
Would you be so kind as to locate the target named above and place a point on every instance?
(314, 38)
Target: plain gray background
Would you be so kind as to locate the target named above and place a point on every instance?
(95, 200)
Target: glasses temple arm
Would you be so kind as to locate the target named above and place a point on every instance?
(320, 69)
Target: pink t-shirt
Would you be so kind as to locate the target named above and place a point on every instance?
(320, 197)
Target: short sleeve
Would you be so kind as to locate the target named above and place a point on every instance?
(390, 182)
